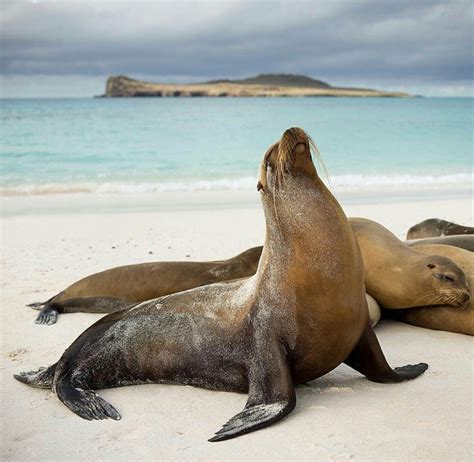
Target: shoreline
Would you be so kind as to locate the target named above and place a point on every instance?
(169, 201)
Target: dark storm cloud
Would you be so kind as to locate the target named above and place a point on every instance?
(341, 40)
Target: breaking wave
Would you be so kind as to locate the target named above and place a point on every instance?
(338, 183)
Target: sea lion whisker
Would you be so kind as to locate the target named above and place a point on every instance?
(429, 296)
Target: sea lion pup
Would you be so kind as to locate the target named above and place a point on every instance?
(399, 277)
(434, 227)
(444, 317)
(120, 287)
(301, 315)
(463, 241)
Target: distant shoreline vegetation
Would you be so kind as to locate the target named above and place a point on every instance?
(263, 85)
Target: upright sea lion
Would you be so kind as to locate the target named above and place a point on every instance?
(399, 277)
(301, 315)
(434, 227)
(118, 287)
(444, 317)
(463, 241)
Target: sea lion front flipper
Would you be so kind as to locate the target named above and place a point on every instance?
(368, 359)
(271, 397)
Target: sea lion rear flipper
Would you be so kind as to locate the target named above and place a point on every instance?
(271, 397)
(47, 316)
(42, 378)
(368, 359)
(49, 313)
(83, 401)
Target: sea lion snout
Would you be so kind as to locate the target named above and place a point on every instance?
(466, 298)
(290, 155)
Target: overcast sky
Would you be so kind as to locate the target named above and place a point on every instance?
(68, 48)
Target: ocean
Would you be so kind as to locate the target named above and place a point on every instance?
(138, 145)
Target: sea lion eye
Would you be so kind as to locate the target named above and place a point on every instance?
(430, 266)
(444, 277)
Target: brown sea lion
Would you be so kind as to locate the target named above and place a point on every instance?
(434, 227)
(399, 277)
(444, 317)
(302, 314)
(463, 241)
(383, 253)
(118, 287)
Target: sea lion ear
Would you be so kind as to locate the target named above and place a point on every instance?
(262, 177)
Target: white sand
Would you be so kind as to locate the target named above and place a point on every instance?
(340, 416)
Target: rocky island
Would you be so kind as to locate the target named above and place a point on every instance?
(261, 85)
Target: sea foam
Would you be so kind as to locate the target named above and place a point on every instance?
(337, 183)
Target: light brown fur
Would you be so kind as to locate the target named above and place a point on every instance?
(399, 277)
(448, 318)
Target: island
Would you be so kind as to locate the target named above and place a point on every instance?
(271, 85)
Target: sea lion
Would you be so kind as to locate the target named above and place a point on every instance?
(118, 287)
(463, 241)
(399, 277)
(443, 317)
(383, 253)
(302, 314)
(434, 227)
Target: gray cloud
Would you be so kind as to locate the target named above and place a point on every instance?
(393, 43)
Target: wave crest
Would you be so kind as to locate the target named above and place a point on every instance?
(338, 183)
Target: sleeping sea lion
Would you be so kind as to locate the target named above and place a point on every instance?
(383, 253)
(463, 241)
(301, 315)
(434, 227)
(444, 317)
(399, 277)
(119, 287)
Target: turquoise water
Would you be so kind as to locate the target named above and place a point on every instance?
(155, 144)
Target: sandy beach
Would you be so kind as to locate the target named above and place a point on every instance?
(341, 416)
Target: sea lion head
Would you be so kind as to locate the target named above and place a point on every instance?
(447, 281)
(290, 157)
(294, 198)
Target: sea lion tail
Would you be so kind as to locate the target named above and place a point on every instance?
(80, 399)
(42, 378)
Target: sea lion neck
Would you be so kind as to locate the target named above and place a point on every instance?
(299, 215)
